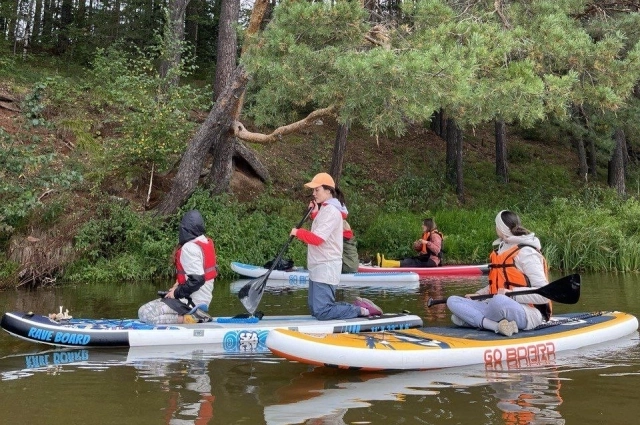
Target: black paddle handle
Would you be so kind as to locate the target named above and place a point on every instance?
(286, 245)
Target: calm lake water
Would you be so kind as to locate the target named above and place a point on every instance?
(41, 385)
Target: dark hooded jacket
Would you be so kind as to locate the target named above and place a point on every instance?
(191, 226)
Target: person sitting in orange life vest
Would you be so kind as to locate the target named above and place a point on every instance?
(429, 248)
(515, 265)
(188, 299)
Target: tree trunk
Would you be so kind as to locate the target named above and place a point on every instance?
(66, 19)
(223, 148)
(37, 23)
(242, 151)
(442, 116)
(339, 149)
(435, 123)
(459, 171)
(439, 123)
(592, 160)
(194, 9)
(12, 24)
(450, 162)
(47, 21)
(590, 153)
(227, 48)
(115, 18)
(80, 17)
(26, 39)
(173, 41)
(583, 168)
(617, 163)
(502, 170)
(218, 123)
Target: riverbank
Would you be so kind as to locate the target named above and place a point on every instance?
(77, 212)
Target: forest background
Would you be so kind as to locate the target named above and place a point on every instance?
(118, 116)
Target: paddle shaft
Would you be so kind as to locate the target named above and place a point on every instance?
(285, 246)
(251, 293)
(564, 290)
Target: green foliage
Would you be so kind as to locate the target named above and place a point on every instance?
(7, 62)
(534, 62)
(308, 33)
(25, 174)
(8, 274)
(33, 105)
(390, 233)
(154, 120)
(467, 234)
(594, 230)
(413, 192)
(250, 233)
(122, 245)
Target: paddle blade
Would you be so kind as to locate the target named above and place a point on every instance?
(565, 290)
(251, 293)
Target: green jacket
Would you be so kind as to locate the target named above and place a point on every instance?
(350, 260)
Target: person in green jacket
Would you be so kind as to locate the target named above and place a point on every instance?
(350, 260)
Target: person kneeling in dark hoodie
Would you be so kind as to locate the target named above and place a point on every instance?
(188, 299)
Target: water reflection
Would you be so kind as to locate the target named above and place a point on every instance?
(151, 386)
(442, 287)
(194, 382)
(519, 395)
(532, 397)
(153, 360)
(188, 385)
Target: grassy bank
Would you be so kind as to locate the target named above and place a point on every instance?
(591, 231)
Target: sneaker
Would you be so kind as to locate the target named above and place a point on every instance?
(364, 312)
(374, 310)
(458, 321)
(189, 319)
(507, 328)
(199, 314)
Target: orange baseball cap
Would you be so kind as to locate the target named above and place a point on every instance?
(321, 179)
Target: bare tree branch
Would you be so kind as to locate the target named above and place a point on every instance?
(242, 133)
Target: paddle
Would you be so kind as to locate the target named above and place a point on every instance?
(191, 304)
(565, 290)
(251, 293)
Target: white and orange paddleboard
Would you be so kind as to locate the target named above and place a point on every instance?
(440, 347)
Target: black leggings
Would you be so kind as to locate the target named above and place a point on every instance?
(415, 262)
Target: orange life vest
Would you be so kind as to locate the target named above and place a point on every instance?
(503, 273)
(426, 236)
(210, 268)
